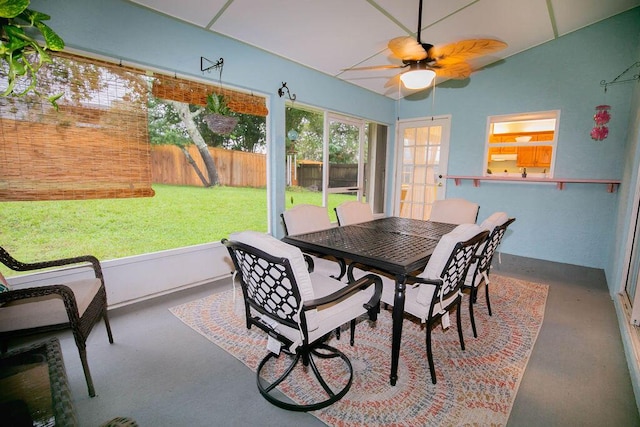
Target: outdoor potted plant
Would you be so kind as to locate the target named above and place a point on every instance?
(217, 117)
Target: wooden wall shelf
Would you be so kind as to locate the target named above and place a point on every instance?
(612, 184)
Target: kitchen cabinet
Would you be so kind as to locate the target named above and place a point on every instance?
(534, 157)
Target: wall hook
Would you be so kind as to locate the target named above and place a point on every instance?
(210, 65)
(616, 81)
(282, 89)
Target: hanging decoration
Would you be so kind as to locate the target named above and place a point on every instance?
(602, 116)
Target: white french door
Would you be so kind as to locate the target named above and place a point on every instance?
(423, 151)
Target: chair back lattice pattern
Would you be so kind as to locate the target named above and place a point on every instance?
(268, 285)
(455, 270)
(493, 241)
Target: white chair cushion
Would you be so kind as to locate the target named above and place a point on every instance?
(330, 316)
(441, 254)
(494, 220)
(454, 211)
(411, 304)
(354, 212)
(271, 245)
(46, 310)
(324, 266)
(302, 219)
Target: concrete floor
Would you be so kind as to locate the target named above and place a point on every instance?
(161, 375)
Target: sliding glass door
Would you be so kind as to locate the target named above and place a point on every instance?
(345, 154)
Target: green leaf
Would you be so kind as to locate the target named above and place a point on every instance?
(53, 100)
(217, 104)
(52, 40)
(33, 16)
(23, 54)
(12, 8)
(17, 39)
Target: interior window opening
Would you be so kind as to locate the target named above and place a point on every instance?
(522, 145)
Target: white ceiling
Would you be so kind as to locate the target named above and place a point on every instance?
(332, 35)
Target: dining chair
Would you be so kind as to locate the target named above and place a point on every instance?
(437, 290)
(305, 218)
(77, 305)
(454, 211)
(298, 310)
(478, 275)
(353, 212)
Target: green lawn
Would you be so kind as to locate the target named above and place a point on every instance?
(113, 228)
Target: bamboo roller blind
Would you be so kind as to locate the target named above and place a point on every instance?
(97, 145)
(195, 93)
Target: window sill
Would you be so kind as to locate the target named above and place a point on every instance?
(612, 184)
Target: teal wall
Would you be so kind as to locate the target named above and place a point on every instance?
(578, 224)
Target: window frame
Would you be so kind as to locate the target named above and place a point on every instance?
(365, 183)
(549, 171)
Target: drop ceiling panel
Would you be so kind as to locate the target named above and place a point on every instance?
(199, 12)
(324, 35)
(332, 35)
(406, 11)
(574, 14)
(521, 26)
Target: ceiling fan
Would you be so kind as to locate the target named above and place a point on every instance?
(426, 61)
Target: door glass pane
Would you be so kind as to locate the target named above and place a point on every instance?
(421, 159)
(375, 172)
(344, 154)
(304, 148)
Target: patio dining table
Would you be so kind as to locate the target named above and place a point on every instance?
(398, 246)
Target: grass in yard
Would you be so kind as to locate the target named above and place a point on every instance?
(176, 216)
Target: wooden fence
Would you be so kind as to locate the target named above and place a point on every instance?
(169, 165)
(239, 169)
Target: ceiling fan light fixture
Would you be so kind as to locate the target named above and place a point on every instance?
(417, 77)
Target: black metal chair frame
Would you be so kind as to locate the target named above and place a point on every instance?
(482, 268)
(309, 257)
(80, 326)
(449, 285)
(253, 265)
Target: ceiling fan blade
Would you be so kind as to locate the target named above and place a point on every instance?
(373, 67)
(458, 70)
(407, 49)
(464, 50)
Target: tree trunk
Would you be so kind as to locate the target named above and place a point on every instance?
(187, 118)
(195, 166)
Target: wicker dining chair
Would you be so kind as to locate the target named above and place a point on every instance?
(298, 310)
(77, 305)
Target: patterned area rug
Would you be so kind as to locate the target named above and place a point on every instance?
(475, 387)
